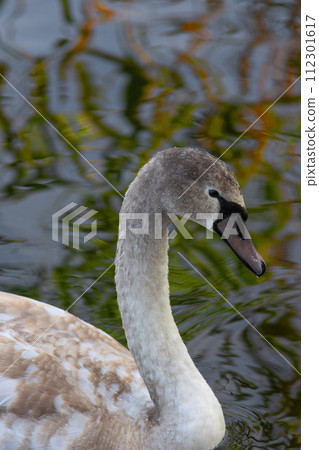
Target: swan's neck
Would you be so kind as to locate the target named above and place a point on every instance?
(181, 396)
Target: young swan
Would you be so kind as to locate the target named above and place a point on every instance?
(76, 387)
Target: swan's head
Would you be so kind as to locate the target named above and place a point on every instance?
(192, 181)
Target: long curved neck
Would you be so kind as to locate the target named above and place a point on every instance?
(150, 329)
(179, 392)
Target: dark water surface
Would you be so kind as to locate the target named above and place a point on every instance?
(121, 80)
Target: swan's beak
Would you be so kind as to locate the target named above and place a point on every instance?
(239, 240)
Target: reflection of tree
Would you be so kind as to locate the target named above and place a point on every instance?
(141, 98)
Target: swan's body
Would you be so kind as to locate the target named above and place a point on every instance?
(77, 388)
(68, 388)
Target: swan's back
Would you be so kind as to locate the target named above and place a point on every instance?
(72, 384)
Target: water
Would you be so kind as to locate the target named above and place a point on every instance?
(120, 84)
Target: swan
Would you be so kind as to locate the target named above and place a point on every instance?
(78, 388)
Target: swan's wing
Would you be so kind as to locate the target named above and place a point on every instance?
(74, 377)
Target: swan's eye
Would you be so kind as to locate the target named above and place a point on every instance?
(213, 193)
